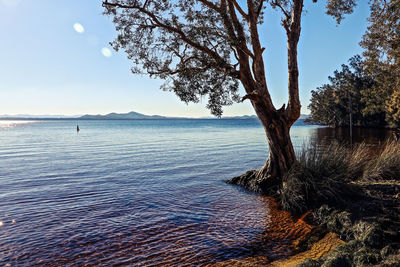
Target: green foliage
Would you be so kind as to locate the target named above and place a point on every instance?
(332, 103)
(338, 8)
(393, 109)
(382, 59)
(182, 42)
(372, 84)
(204, 48)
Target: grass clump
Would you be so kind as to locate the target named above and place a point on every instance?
(324, 174)
(386, 165)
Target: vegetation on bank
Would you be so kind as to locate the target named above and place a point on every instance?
(369, 87)
(353, 191)
(329, 174)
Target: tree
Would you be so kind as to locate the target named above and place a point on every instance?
(393, 109)
(382, 59)
(209, 47)
(333, 104)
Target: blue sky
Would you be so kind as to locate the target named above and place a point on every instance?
(48, 67)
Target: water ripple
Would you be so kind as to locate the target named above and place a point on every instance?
(130, 193)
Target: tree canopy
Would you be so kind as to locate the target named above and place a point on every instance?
(331, 104)
(202, 47)
(382, 59)
(375, 93)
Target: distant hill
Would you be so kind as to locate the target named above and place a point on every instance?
(131, 116)
(244, 117)
(121, 116)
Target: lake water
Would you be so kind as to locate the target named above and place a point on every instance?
(142, 192)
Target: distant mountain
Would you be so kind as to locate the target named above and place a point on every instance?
(131, 116)
(244, 117)
(304, 116)
(121, 116)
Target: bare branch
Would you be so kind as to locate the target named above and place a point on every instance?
(237, 6)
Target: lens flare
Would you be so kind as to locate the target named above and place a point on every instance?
(106, 52)
(79, 28)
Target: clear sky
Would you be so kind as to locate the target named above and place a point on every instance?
(55, 59)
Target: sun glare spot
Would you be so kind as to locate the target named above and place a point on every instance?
(79, 28)
(106, 52)
(1, 223)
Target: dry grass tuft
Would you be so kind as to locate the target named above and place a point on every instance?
(386, 165)
(323, 174)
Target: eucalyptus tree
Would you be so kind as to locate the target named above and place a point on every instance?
(210, 47)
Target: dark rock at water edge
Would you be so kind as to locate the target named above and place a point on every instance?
(254, 182)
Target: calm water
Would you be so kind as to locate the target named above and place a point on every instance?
(133, 192)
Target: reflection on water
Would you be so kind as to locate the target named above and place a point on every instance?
(11, 123)
(138, 193)
(366, 135)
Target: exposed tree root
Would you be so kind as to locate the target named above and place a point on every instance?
(257, 181)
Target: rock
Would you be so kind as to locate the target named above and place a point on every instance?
(386, 251)
(340, 223)
(252, 181)
(321, 215)
(350, 247)
(370, 234)
(337, 260)
(366, 256)
(309, 263)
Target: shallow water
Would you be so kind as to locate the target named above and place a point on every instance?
(133, 192)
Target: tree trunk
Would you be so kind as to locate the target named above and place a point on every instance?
(269, 178)
(276, 123)
(281, 153)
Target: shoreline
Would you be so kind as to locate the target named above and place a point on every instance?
(365, 234)
(351, 195)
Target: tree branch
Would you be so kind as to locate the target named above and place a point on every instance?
(158, 23)
(293, 35)
(237, 6)
(259, 9)
(254, 96)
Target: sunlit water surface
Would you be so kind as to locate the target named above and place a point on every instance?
(133, 192)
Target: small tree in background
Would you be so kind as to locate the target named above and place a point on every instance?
(209, 47)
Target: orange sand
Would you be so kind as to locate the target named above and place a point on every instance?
(318, 250)
(282, 226)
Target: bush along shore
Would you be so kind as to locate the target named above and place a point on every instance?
(350, 190)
